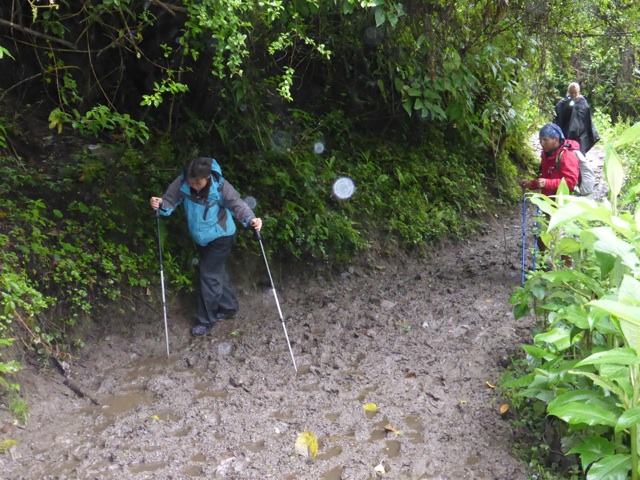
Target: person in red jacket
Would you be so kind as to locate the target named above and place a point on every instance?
(553, 144)
(552, 172)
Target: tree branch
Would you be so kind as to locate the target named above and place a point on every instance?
(169, 8)
(12, 25)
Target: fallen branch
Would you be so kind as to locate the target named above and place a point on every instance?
(73, 386)
(78, 391)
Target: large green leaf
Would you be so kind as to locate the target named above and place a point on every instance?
(629, 292)
(602, 382)
(628, 419)
(575, 413)
(629, 317)
(521, 310)
(570, 211)
(562, 193)
(606, 261)
(574, 396)
(630, 135)
(617, 356)
(519, 382)
(576, 316)
(609, 243)
(558, 337)
(615, 467)
(546, 204)
(570, 276)
(537, 352)
(591, 449)
(598, 211)
(567, 246)
(613, 171)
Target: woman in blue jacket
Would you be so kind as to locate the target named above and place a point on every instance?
(211, 204)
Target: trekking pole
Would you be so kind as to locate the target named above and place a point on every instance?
(524, 233)
(258, 237)
(164, 302)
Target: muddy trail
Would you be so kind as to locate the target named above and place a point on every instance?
(423, 340)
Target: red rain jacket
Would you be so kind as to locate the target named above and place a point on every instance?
(569, 168)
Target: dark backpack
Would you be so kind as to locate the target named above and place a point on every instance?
(586, 176)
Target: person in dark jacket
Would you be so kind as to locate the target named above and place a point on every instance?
(553, 172)
(211, 204)
(573, 116)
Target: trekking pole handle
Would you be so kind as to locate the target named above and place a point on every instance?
(256, 235)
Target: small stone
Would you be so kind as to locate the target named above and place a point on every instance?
(387, 305)
(225, 348)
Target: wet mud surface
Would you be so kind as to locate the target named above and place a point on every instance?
(423, 340)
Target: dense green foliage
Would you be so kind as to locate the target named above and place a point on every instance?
(426, 105)
(582, 367)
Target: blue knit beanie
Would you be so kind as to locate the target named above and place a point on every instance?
(551, 130)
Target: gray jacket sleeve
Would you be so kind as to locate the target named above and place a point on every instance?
(171, 198)
(238, 207)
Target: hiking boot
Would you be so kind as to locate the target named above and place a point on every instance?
(201, 329)
(225, 315)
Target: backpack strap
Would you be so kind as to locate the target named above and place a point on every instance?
(559, 160)
(202, 201)
(560, 154)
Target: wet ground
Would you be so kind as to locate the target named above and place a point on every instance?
(423, 340)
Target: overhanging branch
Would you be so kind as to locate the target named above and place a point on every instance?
(44, 36)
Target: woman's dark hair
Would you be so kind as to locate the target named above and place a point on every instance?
(198, 168)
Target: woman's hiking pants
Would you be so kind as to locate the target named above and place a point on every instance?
(215, 293)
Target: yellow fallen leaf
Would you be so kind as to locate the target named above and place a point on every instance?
(504, 408)
(307, 445)
(394, 430)
(489, 385)
(370, 407)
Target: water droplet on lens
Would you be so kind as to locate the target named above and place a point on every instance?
(251, 202)
(318, 147)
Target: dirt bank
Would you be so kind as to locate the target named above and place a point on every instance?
(423, 340)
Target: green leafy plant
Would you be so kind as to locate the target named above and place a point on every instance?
(5, 445)
(100, 119)
(583, 363)
(19, 409)
(3, 139)
(57, 265)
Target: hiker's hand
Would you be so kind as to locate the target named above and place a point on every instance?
(541, 182)
(529, 184)
(156, 202)
(256, 224)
